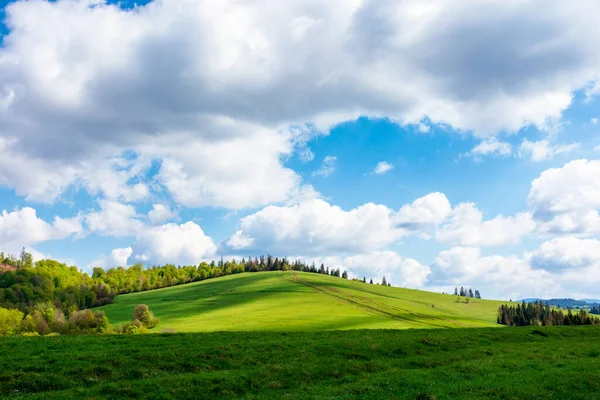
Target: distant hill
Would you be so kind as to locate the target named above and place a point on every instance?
(591, 301)
(299, 301)
(565, 303)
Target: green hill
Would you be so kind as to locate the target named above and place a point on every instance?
(299, 301)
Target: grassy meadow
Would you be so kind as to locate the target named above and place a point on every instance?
(300, 301)
(512, 363)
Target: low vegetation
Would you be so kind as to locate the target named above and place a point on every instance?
(300, 301)
(46, 320)
(525, 363)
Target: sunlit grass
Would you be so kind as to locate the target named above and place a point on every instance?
(297, 301)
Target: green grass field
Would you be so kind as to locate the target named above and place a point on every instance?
(513, 363)
(299, 301)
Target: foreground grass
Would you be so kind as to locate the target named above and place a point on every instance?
(513, 363)
(299, 301)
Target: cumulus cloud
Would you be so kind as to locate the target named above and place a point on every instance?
(466, 227)
(24, 228)
(315, 228)
(199, 87)
(382, 167)
(495, 276)
(117, 258)
(399, 271)
(327, 167)
(566, 253)
(567, 199)
(423, 213)
(114, 219)
(160, 213)
(172, 243)
(543, 150)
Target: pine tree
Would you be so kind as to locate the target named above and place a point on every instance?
(345, 275)
(384, 282)
(364, 279)
(462, 292)
(371, 281)
(456, 291)
(23, 258)
(471, 293)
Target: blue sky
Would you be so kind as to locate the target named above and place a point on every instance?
(183, 131)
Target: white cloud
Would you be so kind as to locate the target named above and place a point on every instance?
(424, 213)
(114, 219)
(594, 121)
(327, 167)
(558, 268)
(496, 277)
(543, 150)
(44, 180)
(491, 146)
(383, 167)
(566, 253)
(160, 213)
(171, 243)
(424, 128)
(117, 258)
(575, 263)
(466, 227)
(399, 271)
(236, 172)
(573, 187)
(24, 228)
(315, 228)
(200, 87)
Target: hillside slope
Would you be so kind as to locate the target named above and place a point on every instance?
(299, 301)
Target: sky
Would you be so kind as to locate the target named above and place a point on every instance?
(439, 144)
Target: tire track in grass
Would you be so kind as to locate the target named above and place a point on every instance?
(376, 308)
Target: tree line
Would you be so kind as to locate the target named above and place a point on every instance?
(595, 309)
(52, 292)
(467, 293)
(538, 313)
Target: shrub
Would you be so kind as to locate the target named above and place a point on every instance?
(85, 321)
(133, 327)
(143, 314)
(28, 324)
(10, 321)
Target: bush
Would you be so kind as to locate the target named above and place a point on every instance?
(10, 321)
(28, 324)
(143, 314)
(133, 327)
(85, 321)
